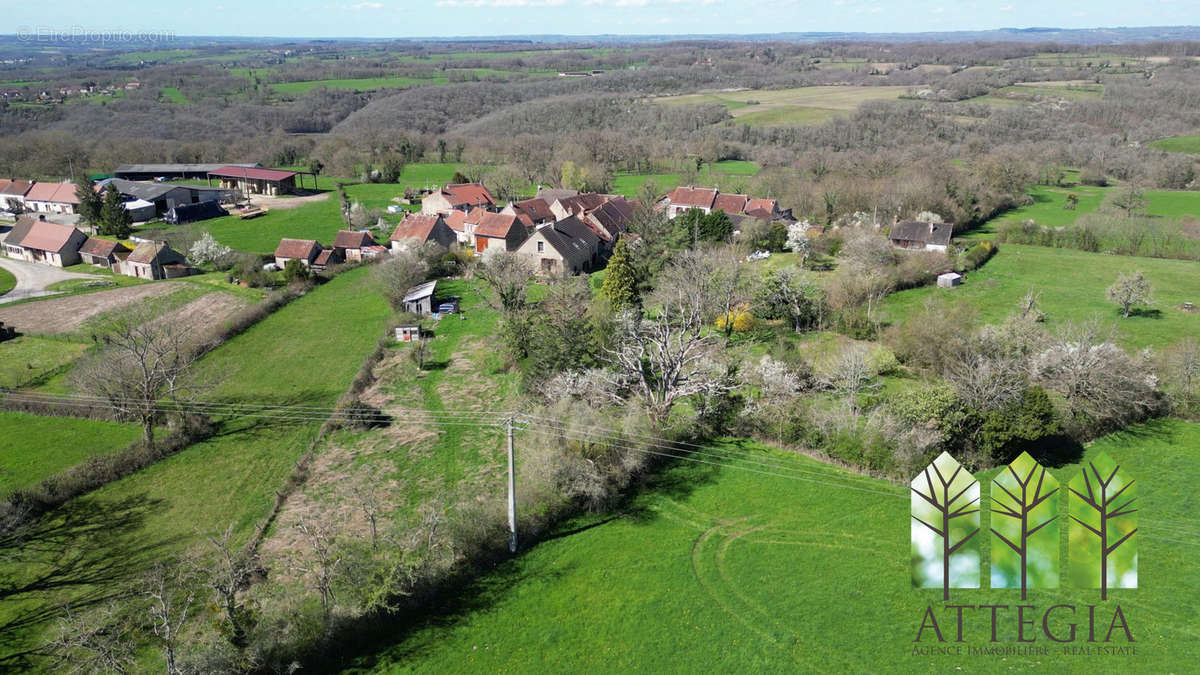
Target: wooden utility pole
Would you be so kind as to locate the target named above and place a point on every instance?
(512, 491)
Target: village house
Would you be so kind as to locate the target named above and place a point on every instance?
(154, 260)
(52, 198)
(417, 229)
(103, 252)
(551, 195)
(457, 197)
(457, 222)
(564, 247)
(576, 205)
(255, 181)
(36, 240)
(609, 220)
(499, 230)
(356, 246)
(12, 195)
(684, 198)
(912, 235)
(304, 250)
(531, 212)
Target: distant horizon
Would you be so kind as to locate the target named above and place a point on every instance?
(482, 19)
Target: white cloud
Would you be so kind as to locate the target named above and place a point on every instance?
(366, 5)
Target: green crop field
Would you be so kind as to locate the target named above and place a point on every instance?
(1072, 285)
(304, 354)
(7, 281)
(1185, 144)
(718, 570)
(33, 448)
(789, 115)
(359, 84)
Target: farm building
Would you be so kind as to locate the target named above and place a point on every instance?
(565, 247)
(255, 181)
(172, 171)
(36, 240)
(103, 252)
(417, 229)
(162, 195)
(190, 213)
(685, 198)
(498, 230)
(912, 235)
(357, 245)
(457, 197)
(52, 198)
(140, 210)
(419, 299)
(304, 250)
(327, 257)
(13, 192)
(154, 260)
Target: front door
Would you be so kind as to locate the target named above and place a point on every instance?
(480, 244)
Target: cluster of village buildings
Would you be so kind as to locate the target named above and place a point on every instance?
(560, 231)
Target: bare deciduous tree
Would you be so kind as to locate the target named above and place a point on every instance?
(228, 575)
(143, 369)
(852, 374)
(509, 276)
(170, 590)
(326, 558)
(395, 276)
(94, 642)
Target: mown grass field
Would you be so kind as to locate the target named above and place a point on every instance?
(1072, 285)
(1185, 144)
(304, 354)
(804, 105)
(716, 569)
(7, 281)
(173, 95)
(1048, 207)
(32, 447)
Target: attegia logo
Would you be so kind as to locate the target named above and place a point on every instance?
(1024, 515)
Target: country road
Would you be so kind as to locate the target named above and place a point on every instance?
(32, 279)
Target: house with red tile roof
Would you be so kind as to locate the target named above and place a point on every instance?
(154, 260)
(357, 245)
(457, 222)
(685, 198)
(531, 212)
(13, 193)
(457, 197)
(39, 241)
(103, 252)
(52, 198)
(417, 229)
(304, 250)
(499, 230)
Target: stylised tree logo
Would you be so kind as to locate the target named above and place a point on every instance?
(945, 516)
(1103, 550)
(1024, 517)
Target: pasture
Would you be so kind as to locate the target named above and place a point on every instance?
(33, 448)
(802, 570)
(7, 281)
(1072, 285)
(728, 174)
(1185, 144)
(804, 105)
(29, 358)
(306, 353)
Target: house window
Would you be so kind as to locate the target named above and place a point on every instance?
(541, 246)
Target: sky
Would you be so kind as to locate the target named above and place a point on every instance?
(451, 18)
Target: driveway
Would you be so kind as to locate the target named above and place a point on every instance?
(32, 279)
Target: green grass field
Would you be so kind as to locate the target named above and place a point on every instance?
(1047, 208)
(1072, 286)
(33, 448)
(30, 357)
(7, 281)
(719, 570)
(1173, 203)
(804, 105)
(359, 84)
(1185, 144)
(721, 173)
(304, 354)
(173, 95)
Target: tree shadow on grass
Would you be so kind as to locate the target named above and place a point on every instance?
(86, 552)
(370, 641)
(1145, 313)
